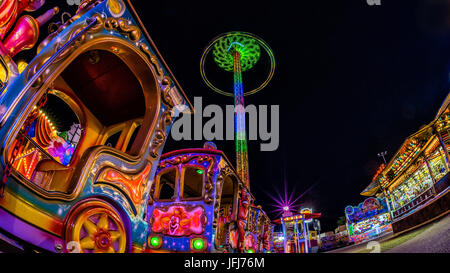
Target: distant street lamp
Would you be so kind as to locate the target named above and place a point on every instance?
(382, 154)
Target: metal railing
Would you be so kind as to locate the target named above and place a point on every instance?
(416, 202)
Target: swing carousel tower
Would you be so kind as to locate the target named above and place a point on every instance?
(238, 52)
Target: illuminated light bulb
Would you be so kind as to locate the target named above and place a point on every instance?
(155, 241)
(21, 65)
(198, 244)
(286, 208)
(3, 74)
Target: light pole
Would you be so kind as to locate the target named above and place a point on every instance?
(383, 154)
(283, 223)
(304, 233)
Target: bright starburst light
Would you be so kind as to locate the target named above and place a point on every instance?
(286, 201)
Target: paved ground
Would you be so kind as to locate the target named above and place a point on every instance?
(435, 238)
(431, 238)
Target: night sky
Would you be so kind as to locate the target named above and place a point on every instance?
(352, 80)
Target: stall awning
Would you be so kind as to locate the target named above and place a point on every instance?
(404, 157)
(371, 190)
(308, 216)
(443, 107)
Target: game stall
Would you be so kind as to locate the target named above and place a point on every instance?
(417, 174)
(296, 235)
(368, 220)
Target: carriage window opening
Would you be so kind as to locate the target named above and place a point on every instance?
(54, 132)
(111, 91)
(226, 210)
(166, 185)
(113, 139)
(227, 196)
(133, 137)
(193, 182)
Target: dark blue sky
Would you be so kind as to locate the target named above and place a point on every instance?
(352, 80)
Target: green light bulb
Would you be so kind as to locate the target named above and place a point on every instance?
(154, 241)
(198, 244)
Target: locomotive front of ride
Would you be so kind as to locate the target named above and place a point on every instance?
(199, 204)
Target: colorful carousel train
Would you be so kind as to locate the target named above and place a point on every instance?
(198, 203)
(82, 129)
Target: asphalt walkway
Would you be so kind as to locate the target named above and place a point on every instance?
(430, 238)
(435, 238)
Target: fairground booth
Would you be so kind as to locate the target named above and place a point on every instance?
(415, 180)
(370, 219)
(298, 232)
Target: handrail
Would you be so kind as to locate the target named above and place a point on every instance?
(42, 150)
(415, 198)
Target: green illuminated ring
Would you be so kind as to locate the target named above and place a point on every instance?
(248, 35)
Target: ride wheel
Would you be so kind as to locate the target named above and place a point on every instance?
(95, 227)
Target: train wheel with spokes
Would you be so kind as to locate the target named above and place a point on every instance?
(95, 227)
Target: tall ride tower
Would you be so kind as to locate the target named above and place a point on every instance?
(238, 52)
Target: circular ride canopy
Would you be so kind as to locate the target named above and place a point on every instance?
(248, 48)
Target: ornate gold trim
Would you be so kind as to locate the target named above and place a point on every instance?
(123, 27)
(183, 159)
(105, 42)
(160, 134)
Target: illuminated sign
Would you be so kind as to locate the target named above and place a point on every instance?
(179, 220)
(306, 211)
